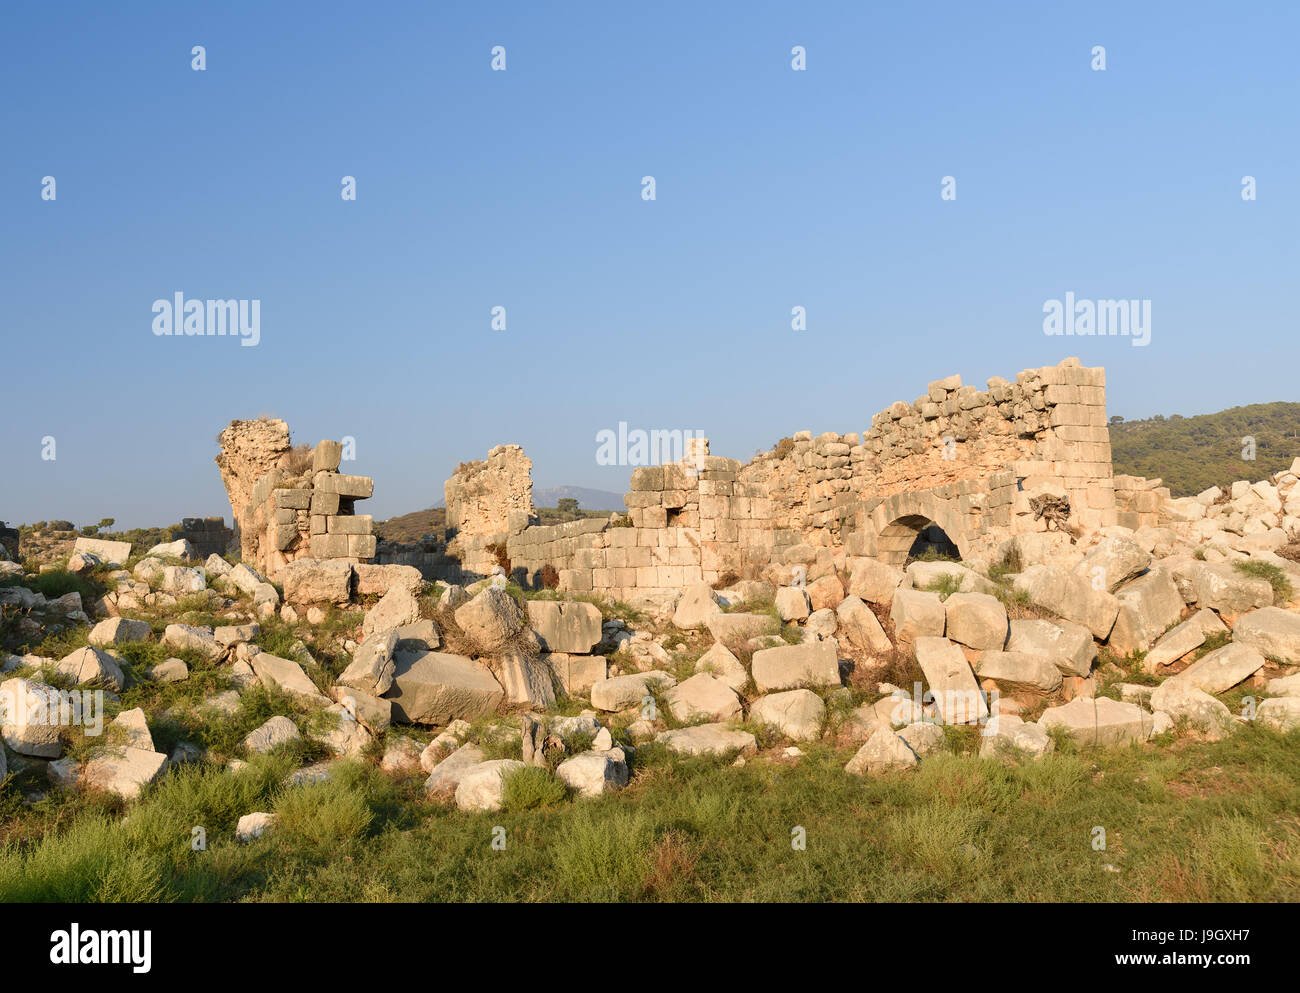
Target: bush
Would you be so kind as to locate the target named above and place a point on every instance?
(531, 788)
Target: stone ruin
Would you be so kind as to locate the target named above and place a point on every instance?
(959, 467)
(299, 505)
(208, 535)
(486, 502)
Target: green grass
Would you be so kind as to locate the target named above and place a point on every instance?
(1184, 821)
(1282, 588)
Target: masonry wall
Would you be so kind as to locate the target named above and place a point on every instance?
(208, 535)
(310, 514)
(969, 460)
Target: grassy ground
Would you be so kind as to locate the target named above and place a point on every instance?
(1184, 821)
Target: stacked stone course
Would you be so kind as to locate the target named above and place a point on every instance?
(310, 514)
(208, 535)
(965, 460)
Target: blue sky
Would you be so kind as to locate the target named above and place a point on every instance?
(522, 189)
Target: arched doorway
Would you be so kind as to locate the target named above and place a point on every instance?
(908, 525)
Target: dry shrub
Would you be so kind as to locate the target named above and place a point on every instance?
(725, 580)
(498, 550)
(296, 460)
(550, 577)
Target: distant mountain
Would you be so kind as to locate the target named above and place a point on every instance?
(1192, 454)
(587, 499)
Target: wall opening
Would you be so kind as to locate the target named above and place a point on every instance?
(912, 537)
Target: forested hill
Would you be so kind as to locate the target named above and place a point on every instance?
(1193, 453)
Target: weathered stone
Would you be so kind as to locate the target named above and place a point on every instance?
(182, 580)
(373, 666)
(91, 666)
(491, 619)
(482, 787)
(622, 692)
(229, 635)
(577, 673)
(437, 687)
(565, 626)
(108, 552)
(1007, 735)
(977, 620)
(729, 628)
(883, 751)
(1149, 605)
(917, 614)
(1112, 563)
(123, 770)
(371, 578)
(253, 826)
(1069, 646)
(118, 631)
(825, 593)
(374, 712)
(704, 696)
(196, 639)
(446, 775)
(797, 714)
(287, 676)
(792, 603)
(1019, 668)
(1272, 630)
(1069, 595)
(1223, 668)
(31, 714)
(347, 736)
(131, 728)
(924, 738)
(874, 581)
(1180, 698)
(791, 666)
(1183, 639)
(526, 680)
(860, 626)
(308, 581)
(708, 739)
(1099, 721)
(276, 731)
(1220, 587)
(721, 662)
(956, 694)
(594, 773)
(695, 606)
(395, 608)
(1280, 713)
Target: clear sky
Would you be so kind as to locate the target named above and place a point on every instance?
(522, 189)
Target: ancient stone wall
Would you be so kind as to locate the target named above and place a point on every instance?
(208, 535)
(309, 512)
(487, 501)
(981, 465)
(249, 450)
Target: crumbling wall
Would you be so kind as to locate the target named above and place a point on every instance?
(308, 511)
(249, 450)
(981, 465)
(487, 501)
(208, 535)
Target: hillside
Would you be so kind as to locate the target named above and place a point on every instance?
(1193, 453)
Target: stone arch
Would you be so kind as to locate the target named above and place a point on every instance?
(900, 518)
